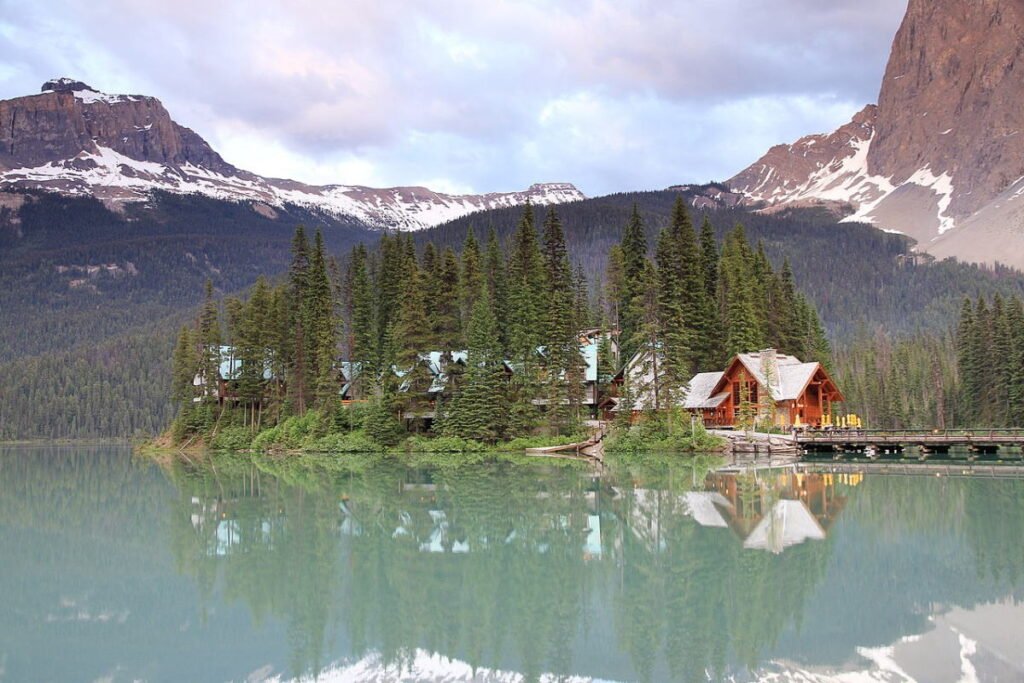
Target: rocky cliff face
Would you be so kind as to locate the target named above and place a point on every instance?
(951, 99)
(944, 146)
(73, 139)
(815, 170)
(68, 117)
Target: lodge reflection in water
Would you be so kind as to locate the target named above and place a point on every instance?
(654, 571)
(766, 510)
(425, 557)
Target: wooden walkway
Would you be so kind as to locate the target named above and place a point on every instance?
(892, 441)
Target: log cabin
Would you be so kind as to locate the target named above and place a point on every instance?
(801, 394)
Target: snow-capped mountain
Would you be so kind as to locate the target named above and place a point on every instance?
(73, 139)
(941, 158)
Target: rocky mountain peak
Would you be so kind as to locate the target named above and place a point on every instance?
(943, 152)
(950, 99)
(64, 85)
(120, 148)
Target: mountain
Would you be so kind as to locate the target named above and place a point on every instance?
(941, 157)
(121, 148)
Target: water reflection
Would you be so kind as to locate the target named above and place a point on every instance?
(358, 569)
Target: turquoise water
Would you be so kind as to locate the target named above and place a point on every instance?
(113, 568)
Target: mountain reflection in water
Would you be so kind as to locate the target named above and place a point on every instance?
(242, 568)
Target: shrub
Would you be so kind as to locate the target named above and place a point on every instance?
(232, 439)
(382, 425)
(652, 435)
(524, 442)
(295, 432)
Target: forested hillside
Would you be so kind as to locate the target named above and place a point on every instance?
(78, 282)
(75, 273)
(857, 277)
(90, 300)
(483, 345)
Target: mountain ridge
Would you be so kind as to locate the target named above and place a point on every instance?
(941, 157)
(75, 140)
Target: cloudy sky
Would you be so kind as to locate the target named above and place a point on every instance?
(471, 95)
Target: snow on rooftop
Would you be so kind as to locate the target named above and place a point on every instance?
(698, 393)
(789, 379)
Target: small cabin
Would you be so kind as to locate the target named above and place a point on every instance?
(799, 394)
(229, 374)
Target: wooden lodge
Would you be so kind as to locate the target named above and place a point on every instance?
(801, 394)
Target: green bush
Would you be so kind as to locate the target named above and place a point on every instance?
(294, 433)
(382, 425)
(232, 439)
(524, 442)
(350, 417)
(651, 434)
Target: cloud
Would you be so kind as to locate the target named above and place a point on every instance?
(610, 94)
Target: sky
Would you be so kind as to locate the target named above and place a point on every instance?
(471, 95)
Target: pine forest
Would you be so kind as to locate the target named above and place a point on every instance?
(484, 345)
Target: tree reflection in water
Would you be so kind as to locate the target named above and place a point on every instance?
(507, 566)
(657, 569)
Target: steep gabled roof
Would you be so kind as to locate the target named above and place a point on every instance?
(699, 392)
(789, 380)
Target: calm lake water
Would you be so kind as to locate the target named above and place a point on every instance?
(115, 569)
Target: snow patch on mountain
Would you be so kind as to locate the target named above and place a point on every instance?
(846, 180)
(116, 178)
(107, 146)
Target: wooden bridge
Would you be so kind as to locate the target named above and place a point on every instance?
(880, 442)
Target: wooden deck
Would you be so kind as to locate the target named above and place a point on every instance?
(856, 440)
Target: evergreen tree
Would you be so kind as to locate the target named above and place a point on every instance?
(477, 410)
(412, 331)
(634, 264)
(816, 346)
(708, 350)
(497, 286)
(298, 370)
(1000, 370)
(560, 337)
(184, 367)
(736, 296)
(791, 333)
(252, 349)
(470, 278)
(709, 258)
(209, 338)
(648, 376)
(321, 323)
(674, 338)
(362, 344)
(526, 293)
(614, 295)
(447, 320)
(1015, 324)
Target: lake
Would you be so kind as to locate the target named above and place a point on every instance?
(114, 568)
